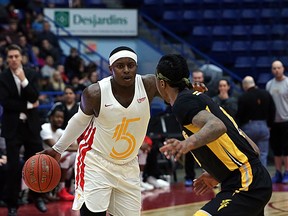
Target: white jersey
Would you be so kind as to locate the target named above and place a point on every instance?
(118, 132)
(47, 133)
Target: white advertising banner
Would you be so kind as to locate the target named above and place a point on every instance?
(95, 22)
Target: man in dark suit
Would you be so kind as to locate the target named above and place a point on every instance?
(20, 123)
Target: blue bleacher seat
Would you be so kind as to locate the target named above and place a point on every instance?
(260, 47)
(250, 16)
(263, 62)
(172, 15)
(220, 46)
(263, 78)
(240, 47)
(267, 14)
(260, 31)
(221, 32)
(230, 16)
(240, 32)
(279, 47)
(192, 16)
(278, 31)
(211, 16)
(245, 62)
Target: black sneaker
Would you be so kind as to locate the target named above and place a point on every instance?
(12, 212)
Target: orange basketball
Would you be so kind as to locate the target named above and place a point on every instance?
(41, 173)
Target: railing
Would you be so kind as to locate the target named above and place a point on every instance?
(102, 64)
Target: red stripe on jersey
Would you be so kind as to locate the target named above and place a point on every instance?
(84, 146)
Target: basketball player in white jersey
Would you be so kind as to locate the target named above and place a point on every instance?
(113, 119)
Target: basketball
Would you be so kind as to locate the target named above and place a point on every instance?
(41, 173)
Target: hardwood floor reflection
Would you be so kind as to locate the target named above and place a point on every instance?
(177, 200)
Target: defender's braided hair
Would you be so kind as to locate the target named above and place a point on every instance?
(173, 69)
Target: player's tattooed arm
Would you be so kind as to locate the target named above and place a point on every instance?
(211, 129)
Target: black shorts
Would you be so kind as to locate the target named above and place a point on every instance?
(279, 139)
(231, 202)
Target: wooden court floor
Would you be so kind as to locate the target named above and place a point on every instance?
(176, 200)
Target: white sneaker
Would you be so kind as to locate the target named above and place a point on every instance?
(146, 186)
(157, 183)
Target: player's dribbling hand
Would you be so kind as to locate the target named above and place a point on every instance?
(201, 87)
(52, 153)
(204, 183)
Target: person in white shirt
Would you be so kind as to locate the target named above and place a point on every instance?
(50, 134)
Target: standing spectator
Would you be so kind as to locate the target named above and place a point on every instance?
(20, 123)
(50, 133)
(224, 98)
(278, 88)
(256, 113)
(69, 104)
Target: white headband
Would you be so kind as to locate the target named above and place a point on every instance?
(122, 54)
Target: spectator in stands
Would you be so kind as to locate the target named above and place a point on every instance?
(25, 23)
(20, 123)
(47, 34)
(2, 64)
(152, 172)
(77, 85)
(255, 115)
(57, 81)
(40, 60)
(49, 67)
(27, 49)
(142, 157)
(224, 98)
(74, 64)
(92, 77)
(50, 133)
(37, 26)
(69, 104)
(61, 69)
(278, 88)
(47, 49)
(12, 33)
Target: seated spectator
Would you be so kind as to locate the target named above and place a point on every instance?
(142, 156)
(57, 81)
(69, 104)
(61, 69)
(48, 69)
(37, 24)
(39, 59)
(27, 50)
(47, 49)
(152, 172)
(92, 77)
(50, 133)
(74, 64)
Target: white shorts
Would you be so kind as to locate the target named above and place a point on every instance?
(69, 159)
(104, 185)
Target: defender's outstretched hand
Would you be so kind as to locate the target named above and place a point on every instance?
(174, 147)
(204, 183)
(201, 87)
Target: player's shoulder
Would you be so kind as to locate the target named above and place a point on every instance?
(92, 91)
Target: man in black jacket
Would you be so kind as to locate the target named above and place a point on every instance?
(256, 112)
(20, 123)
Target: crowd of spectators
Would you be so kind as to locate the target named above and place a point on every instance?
(25, 25)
